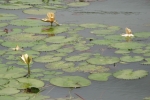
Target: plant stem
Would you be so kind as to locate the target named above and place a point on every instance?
(28, 70)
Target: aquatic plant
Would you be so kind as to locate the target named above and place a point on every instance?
(27, 60)
(50, 18)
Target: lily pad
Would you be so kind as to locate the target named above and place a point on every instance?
(3, 81)
(59, 65)
(29, 82)
(7, 98)
(142, 34)
(102, 32)
(3, 24)
(47, 29)
(103, 60)
(122, 51)
(99, 76)
(12, 72)
(27, 2)
(78, 4)
(128, 45)
(79, 57)
(131, 59)
(70, 81)
(45, 47)
(9, 91)
(27, 22)
(47, 58)
(7, 16)
(129, 74)
(103, 42)
(14, 6)
(37, 11)
(24, 38)
(93, 25)
(115, 37)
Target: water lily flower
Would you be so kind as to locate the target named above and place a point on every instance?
(50, 18)
(27, 60)
(17, 48)
(128, 33)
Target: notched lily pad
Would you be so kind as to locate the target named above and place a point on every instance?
(99, 76)
(131, 59)
(70, 81)
(78, 4)
(129, 74)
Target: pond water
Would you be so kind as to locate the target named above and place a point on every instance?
(133, 14)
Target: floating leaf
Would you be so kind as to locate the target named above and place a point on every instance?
(103, 60)
(99, 76)
(93, 25)
(48, 58)
(27, 22)
(12, 72)
(79, 57)
(28, 2)
(59, 65)
(124, 51)
(81, 47)
(128, 45)
(3, 81)
(14, 6)
(78, 4)
(54, 7)
(70, 69)
(45, 47)
(103, 42)
(130, 74)
(142, 34)
(24, 38)
(7, 16)
(39, 97)
(114, 28)
(91, 68)
(29, 82)
(65, 50)
(37, 11)
(140, 51)
(7, 98)
(131, 59)
(115, 37)
(70, 81)
(3, 24)
(9, 91)
(47, 29)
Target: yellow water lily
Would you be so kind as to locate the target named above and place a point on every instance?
(128, 33)
(50, 18)
(17, 48)
(27, 60)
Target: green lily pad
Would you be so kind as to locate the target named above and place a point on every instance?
(103, 42)
(99, 76)
(12, 72)
(47, 29)
(37, 11)
(147, 61)
(65, 50)
(79, 57)
(27, 22)
(28, 2)
(128, 45)
(122, 51)
(140, 51)
(103, 60)
(22, 44)
(129, 74)
(29, 82)
(39, 97)
(81, 47)
(47, 58)
(7, 16)
(142, 34)
(114, 28)
(59, 65)
(92, 68)
(45, 47)
(70, 81)
(24, 38)
(3, 81)
(14, 6)
(115, 37)
(3, 24)
(54, 7)
(78, 4)
(9, 91)
(93, 25)
(131, 59)
(7, 98)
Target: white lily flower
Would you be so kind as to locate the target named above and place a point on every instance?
(128, 33)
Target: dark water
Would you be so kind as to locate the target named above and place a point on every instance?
(134, 14)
